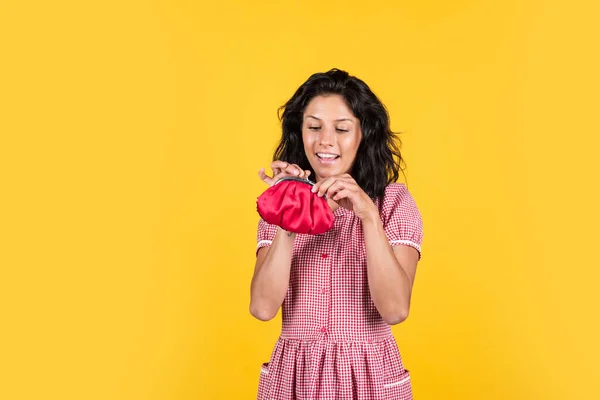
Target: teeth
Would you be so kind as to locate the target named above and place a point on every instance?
(330, 156)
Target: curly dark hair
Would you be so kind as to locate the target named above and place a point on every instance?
(378, 159)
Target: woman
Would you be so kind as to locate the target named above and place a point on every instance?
(339, 291)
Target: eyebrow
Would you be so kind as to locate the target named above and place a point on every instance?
(337, 120)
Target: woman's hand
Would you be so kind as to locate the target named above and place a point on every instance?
(344, 190)
(282, 169)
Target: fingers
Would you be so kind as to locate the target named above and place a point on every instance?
(334, 184)
(264, 177)
(261, 174)
(335, 188)
(295, 170)
(278, 166)
(320, 188)
(342, 194)
(282, 167)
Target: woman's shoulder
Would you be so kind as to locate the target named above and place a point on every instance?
(396, 197)
(395, 188)
(395, 192)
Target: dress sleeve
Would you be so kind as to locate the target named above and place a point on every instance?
(266, 233)
(402, 220)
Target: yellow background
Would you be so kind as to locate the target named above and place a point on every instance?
(131, 135)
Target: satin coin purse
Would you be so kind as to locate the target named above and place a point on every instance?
(291, 205)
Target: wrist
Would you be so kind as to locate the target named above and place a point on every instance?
(370, 216)
(287, 234)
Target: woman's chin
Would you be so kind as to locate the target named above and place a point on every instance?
(322, 175)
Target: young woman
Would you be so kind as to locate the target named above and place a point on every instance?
(339, 291)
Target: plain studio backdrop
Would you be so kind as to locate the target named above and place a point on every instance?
(131, 136)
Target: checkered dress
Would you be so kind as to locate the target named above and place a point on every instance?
(333, 343)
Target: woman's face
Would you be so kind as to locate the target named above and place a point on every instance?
(331, 135)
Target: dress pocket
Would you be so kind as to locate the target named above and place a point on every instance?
(398, 387)
(263, 381)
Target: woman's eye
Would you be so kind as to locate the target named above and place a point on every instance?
(342, 130)
(314, 128)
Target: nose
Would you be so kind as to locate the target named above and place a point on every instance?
(327, 137)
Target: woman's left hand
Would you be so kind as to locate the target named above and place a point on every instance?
(344, 190)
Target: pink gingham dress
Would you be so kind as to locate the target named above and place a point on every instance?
(333, 342)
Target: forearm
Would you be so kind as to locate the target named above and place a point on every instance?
(271, 279)
(389, 284)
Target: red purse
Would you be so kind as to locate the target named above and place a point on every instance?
(290, 204)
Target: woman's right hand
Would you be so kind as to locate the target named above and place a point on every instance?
(282, 169)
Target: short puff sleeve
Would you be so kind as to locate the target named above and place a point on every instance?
(266, 233)
(401, 218)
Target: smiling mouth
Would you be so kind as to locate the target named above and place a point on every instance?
(327, 157)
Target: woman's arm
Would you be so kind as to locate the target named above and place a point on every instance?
(272, 269)
(271, 276)
(390, 270)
